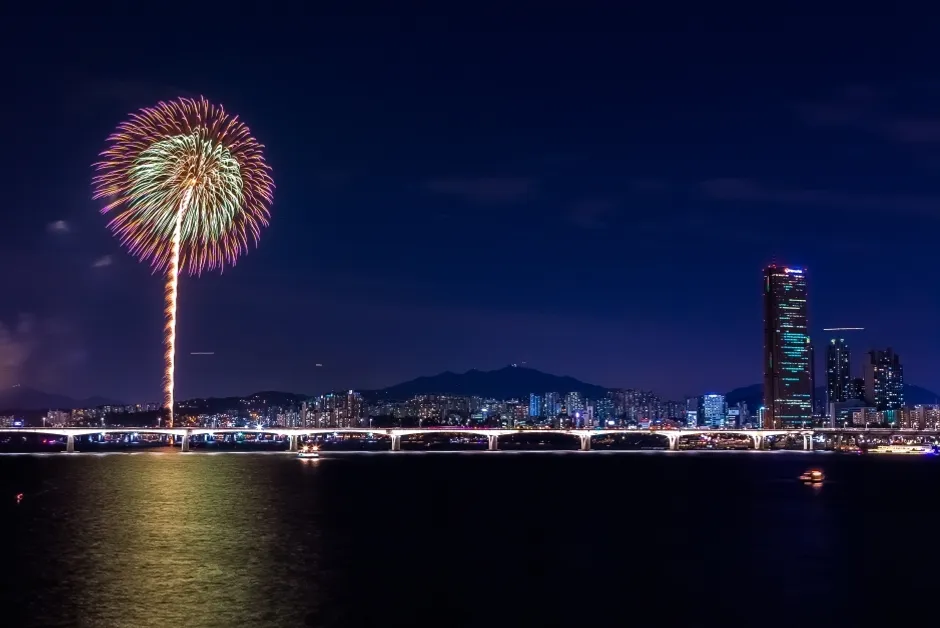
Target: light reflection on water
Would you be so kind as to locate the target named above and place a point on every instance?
(169, 541)
(351, 539)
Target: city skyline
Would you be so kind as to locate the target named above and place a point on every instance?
(441, 209)
(494, 386)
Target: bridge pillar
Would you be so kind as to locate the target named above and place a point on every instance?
(70, 444)
(673, 442)
(586, 442)
(396, 442)
(184, 442)
(292, 442)
(758, 441)
(494, 442)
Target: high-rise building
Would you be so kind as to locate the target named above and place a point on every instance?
(575, 403)
(535, 405)
(714, 411)
(919, 417)
(812, 377)
(692, 411)
(354, 409)
(604, 411)
(788, 377)
(838, 372)
(671, 410)
(550, 405)
(733, 418)
(884, 379)
(857, 389)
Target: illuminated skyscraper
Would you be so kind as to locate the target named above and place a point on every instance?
(692, 411)
(884, 379)
(550, 405)
(535, 405)
(812, 379)
(857, 389)
(838, 375)
(575, 403)
(788, 377)
(713, 408)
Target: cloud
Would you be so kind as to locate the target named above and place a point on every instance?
(485, 190)
(698, 226)
(91, 92)
(15, 347)
(914, 130)
(59, 226)
(741, 190)
(651, 185)
(862, 108)
(731, 189)
(852, 106)
(591, 213)
(101, 262)
(846, 106)
(36, 351)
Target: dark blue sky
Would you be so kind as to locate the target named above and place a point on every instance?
(592, 194)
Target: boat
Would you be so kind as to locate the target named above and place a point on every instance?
(309, 451)
(814, 476)
(910, 450)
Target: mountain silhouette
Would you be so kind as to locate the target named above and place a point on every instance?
(25, 398)
(505, 383)
(754, 395)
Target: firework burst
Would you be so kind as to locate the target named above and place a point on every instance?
(187, 188)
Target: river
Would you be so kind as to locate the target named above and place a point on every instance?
(464, 539)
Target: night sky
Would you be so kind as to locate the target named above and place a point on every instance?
(593, 195)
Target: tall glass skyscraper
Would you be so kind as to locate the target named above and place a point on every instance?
(788, 377)
(535, 405)
(838, 372)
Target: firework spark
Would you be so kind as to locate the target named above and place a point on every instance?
(187, 188)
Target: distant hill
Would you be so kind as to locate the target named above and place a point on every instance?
(505, 383)
(261, 399)
(25, 398)
(754, 395)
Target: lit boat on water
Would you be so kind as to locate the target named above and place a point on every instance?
(848, 449)
(909, 450)
(814, 476)
(309, 451)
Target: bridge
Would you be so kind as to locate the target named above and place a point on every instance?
(294, 435)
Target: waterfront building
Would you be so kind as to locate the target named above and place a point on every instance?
(788, 373)
(884, 379)
(838, 372)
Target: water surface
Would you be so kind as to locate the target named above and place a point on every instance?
(473, 539)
